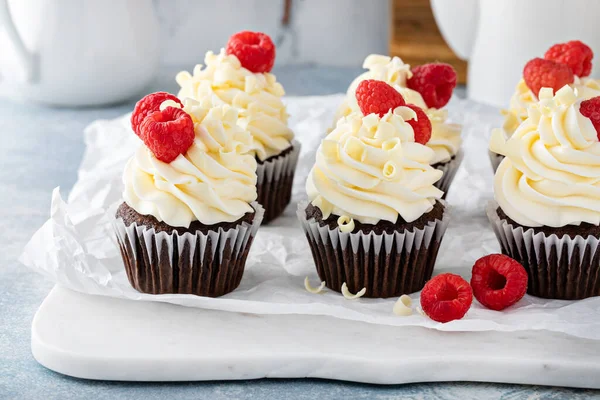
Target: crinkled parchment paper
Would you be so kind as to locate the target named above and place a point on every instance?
(75, 247)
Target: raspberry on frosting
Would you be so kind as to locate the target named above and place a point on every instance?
(435, 82)
(377, 97)
(591, 109)
(167, 132)
(539, 73)
(255, 50)
(576, 54)
(421, 125)
(148, 105)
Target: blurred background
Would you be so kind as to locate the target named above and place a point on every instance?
(93, 52)
(71, 52)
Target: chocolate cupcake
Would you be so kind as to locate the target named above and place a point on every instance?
(374, 218)
(388, 258)
(547, 209)
(231, 77)
(189, 215)
(446, 141)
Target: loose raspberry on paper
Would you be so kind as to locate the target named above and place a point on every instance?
(435, 82)
(377, 97)
(421, 126)
(591, 109)
(148, 105)
(498, 281)
(446, 297)
(539, 73)
(255, 50)
(168, 133)
(576, 54)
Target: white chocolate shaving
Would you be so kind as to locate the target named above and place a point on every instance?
(390, 144)
(345, 223)
(402, 306)
(420, 311)
(389, 170)
(312, 289)
(350, 296)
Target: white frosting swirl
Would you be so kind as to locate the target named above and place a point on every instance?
(256, 95)
(213, 182)
(551, 173)
(445, 136)
(370, 169)
(524, 97)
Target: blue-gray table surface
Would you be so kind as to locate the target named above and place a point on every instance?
(41, 148)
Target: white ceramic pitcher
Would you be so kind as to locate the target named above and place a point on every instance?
(499, 36)
(77, 53)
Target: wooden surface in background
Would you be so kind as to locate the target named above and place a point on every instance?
(416, 38)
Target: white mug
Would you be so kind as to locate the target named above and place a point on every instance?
(498, 37)
(77, 53)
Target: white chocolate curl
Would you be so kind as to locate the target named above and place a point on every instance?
(350, 296)
(402, 306)
(311, 289)
(345, 223)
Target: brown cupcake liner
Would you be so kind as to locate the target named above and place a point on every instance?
(563, 268)
(495, 159)
(210, 264)
(449, 169)
(274, 183)
(387, 265)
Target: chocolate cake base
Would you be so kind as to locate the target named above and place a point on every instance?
(400, 225)
(275, 187)
(572, 231)
(400, 263)
(552, 272)
(130, 216)
(182, 260)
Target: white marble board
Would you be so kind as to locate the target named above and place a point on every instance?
(105, 338)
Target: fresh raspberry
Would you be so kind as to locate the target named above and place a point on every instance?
(377, 97)
(539, 73)
(498, 281)
(421, 126)
(146, 106)
(255, 50)
(591, 109)
(435, 82)
(168, 133)
(576, 54)
(446, 297)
